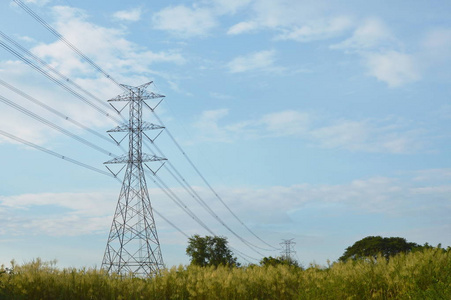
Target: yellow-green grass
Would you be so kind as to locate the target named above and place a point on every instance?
(419, 275)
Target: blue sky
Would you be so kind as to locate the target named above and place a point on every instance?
(324, 121)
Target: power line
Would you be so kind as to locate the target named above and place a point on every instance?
(17, 139)
(189, 189)
(53, 125)
(58, 82)
(48, 108)
(170, 223)
(51, 69)
(76, 162)
(189, 212)
(163, 186)
(63, 39)
(207, 183)
(76, 50)
(179, 203)
(52, 110)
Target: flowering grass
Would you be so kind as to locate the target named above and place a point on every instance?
(419, 275)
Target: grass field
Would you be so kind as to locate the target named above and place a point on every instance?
(419, 275)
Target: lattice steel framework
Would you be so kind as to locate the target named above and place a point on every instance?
(133, 246)
(288, 249)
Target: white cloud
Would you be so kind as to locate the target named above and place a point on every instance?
(29, 129)
(433, 175)
(197, 20)
(389, 196)
(27, 39)
(317, 30)
(89, 213)
(220, 96)
(287, 13)
(375, 44)
(297, 20)
(108, 47)
(38, 2)
(342, 134)
(435, 52)
(242, 27)
(278, 124)
(373, 33)
(184, 21)
(393, 68)
(368, 136)
(83, 203)
(373, 136)
(175, 87)
(292, 17)
(263, 60)
(208, 124)
(228, 6)
(286, 123)
(132, 15)
(84, 213)
(371, 40)
(438, 41)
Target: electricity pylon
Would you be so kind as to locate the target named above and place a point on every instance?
(288, 250)
(133, 246)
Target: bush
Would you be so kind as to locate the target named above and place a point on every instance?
(417, 275)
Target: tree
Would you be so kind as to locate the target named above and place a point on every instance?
(371, 246)
(210, 251)
(274, 261)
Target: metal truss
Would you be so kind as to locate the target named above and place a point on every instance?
(133, 246)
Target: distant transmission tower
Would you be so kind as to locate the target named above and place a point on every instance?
(288, 249)
(133, 246)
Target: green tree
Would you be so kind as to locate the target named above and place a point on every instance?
(274, 261)
(371, 246)
(210, 251)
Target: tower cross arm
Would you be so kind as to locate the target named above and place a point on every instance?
(129, 96)
(151, 126)
(147, 157)
(144, 126)
(118, 160)
(151, 95)
(121, 128)
(126, 159)
(134, 92)
(123, 97)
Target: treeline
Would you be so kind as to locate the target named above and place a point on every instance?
(422, 274)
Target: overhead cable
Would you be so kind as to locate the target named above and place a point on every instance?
(63, 39)
(30, 144)
(53, 110)
(206, 182)
(54, 126)
(99, 69)
(52, 69)
(188, 188)
(60, 83)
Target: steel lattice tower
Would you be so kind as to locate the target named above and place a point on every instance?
(288, 250)
(133, 246)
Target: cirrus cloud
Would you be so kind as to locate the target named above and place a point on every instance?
(184, 21)
(131, 15)
(262, 60)
(371, 136)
